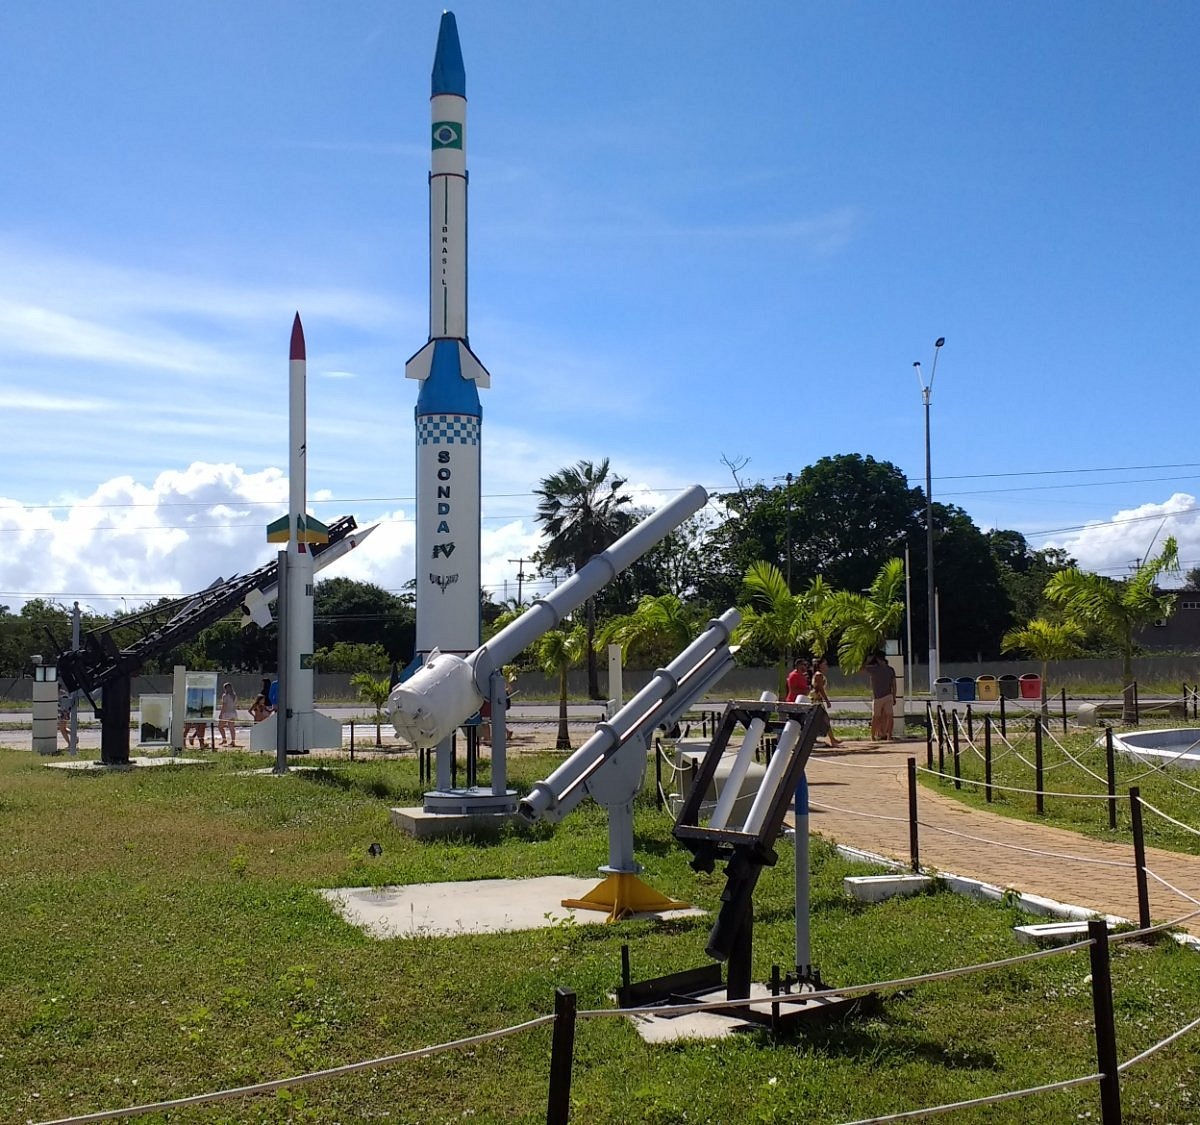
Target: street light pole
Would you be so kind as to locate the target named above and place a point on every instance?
(926, 394)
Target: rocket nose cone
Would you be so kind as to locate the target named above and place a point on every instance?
(449, 74)
(297, 351)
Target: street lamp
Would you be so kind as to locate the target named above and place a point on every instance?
(926, 391)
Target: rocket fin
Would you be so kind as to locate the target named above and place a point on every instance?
(419, 365)
(469, 367)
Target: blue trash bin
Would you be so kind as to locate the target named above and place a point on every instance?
(964, 689)
(943, 689)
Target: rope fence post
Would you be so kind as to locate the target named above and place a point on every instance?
(914, 849)
(1038, 764)
(987, 758)
(929, 734)
(352, 740)
(1106, 1032)
(957, 760)
(1003, 718)
(658, 797)
(1064, 710)
(1110, 763)
(562, 1051)
(1139, 857)
(970, 724)
(941, 735)
(1137, 706)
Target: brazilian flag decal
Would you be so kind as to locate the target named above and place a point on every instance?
(447, 134)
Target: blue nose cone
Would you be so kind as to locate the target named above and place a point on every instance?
(449, 74)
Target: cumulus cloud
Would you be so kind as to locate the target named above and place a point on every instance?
(1114, 546)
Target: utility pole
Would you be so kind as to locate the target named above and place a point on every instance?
(520, 577)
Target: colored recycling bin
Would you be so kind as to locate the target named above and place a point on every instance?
(986, 688)
(964, 689)
(1009, 686)
(1031, 686)
(943, 689)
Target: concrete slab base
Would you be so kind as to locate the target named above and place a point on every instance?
(425, 825)
(1053, 933)
(720, 1025)
(134, 763)
(877, 888)
(485, 906)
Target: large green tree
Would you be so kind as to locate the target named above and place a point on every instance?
(1117, 608)
(582, 510)
(363, 613)
(659, 629)
(1045, 640)
(868, 619)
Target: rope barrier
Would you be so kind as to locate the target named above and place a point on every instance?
(1158, 1046)
(854, 812)
(1170, 819)
(1162, 927)
(991, 1099)
(300, 1079)
(1026, 851)
(1171, 887)
(1016, 789)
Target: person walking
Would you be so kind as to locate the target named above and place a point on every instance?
(883, 696)
(819, 698)
(797, 681)
(227, 716)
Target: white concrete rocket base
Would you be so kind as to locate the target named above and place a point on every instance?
(324, 734)
(427, 825)
(134, 763)
(876, 888)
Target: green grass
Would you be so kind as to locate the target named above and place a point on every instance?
(1066, 761)
(160, 936)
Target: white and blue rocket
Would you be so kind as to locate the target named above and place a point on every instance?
(448, 415)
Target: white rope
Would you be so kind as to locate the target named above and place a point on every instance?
(1026, 851)
(1171, 819)
(991, 1099)
(1171, 887)
(1133, 935)
(1086, 769)
(855, 812)
(1158, 1046)
(1013, 788)
(299, 1079)
(893, 767)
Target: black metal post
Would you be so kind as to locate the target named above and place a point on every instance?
(914, 849)
(562, 1052)
(970, 724)
(1064, 710)
(1037, 764)
(941, 735)
(352, 740)
(987, 758)
(1137, 706)
(957, 761)
(929, 734)
(454, 760)
(1003, 719)
(658, 797)
(1110, 763)
(737, 970)
(1106, 1032)
(1139, 857)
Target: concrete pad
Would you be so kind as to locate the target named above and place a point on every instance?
(720, 1025)
(484, 906)
(1053, 933)
(876, 888)
(429, 825)
(134, 763)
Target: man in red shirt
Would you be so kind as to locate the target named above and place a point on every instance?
(797, 682)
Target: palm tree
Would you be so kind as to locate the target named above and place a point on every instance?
(866, 620)
(375, 692)
(660, 626)
(557, 652)
(779, 620)
(582, 510)
(1045, 641)
(1117, 609)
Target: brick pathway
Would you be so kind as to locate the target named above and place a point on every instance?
(858, 796)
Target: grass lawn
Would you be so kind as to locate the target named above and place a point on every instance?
(1073, 763)
(160, 936)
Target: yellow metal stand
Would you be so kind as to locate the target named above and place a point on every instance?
(621, 895)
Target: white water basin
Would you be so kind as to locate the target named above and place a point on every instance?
(1175, 746)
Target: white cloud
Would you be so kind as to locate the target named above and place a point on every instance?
(1115, 545)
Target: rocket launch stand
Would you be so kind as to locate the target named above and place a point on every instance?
(748, 849)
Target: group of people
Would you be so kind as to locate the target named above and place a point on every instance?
(193, 733)
(811, 682)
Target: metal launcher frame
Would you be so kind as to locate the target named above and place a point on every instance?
(100, 664)
(747, 849)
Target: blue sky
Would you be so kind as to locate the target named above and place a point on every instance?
(698, 232)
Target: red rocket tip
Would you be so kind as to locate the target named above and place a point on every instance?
(297, 351)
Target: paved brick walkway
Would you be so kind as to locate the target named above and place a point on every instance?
(858, 796)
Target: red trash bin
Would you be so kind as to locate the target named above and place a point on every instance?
(1031, 686)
